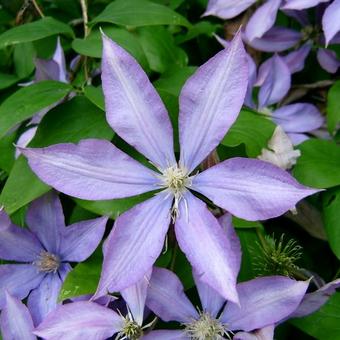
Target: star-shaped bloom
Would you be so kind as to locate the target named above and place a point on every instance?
(44, 251)
(209, 103)
(89, 320)
(263, 302)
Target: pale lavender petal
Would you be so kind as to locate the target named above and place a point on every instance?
(166, 297)
(265, 333)
(80, 320)
(18, 280)
(301, 4)
(296, 60)
(43, 299)
(45, 218)
(134, 244)
(210, 102)
(330, 20)
(25, 139)
(81, 239)
(15, 321)
(17, 244)
(300, 117)
(214, 256)
(211, 301)
(315, 300)
(133, 107)
(46, 70)
(264, 71)
(135, 297)
(165, 335)
(300, 16)
(297, 138)
(277, 39)
(263, 301)
(328, 60)
(250, 188)
(59, 58)
(93, 169)
(262, 20)
(227, 9)
(277, 83)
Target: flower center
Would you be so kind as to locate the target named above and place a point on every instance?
(47, 262)
(205, 328)
(131, 330)
(176, 180)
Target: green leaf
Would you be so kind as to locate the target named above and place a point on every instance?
(139, 13)
(28, 101)
(331, 217)
(7, 151)
(323, 324)
(84, 278)
(36, 30)
(251, 129)
(319, 163)
(24, 59)
(95, 95)
(201, 28)
(239, 223)
(333, 107)
(113, 208)
(160, 49)
(92, 45)
(68, 122)
(7, 80)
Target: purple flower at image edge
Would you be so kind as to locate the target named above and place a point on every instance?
(44, 251)
(210, 102)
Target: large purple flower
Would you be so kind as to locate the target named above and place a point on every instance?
(89, 320)
(44, 250)
(263, 302)
(96, 170)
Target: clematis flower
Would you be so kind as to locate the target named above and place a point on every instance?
(262, 303)
(15, 320)
(210, 102)
(280, 150)
(89, 320)
(44, 252)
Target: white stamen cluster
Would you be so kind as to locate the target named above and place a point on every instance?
(131, 330)
(205, 328)
(176, 180)
(47, 262)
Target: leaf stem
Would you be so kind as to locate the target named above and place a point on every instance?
(37, 8)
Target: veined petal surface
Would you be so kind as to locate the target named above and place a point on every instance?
(227, 9)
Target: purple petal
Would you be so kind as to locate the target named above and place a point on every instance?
(262, 20)
(134, 244)
(265, 333)
(250, 188)
(328, 60)
(300, 16)
(45, 218)
(315, 300)
(214, 256)
(17, 244)
(15, 321)
(330, 20)
(301, 4)
(263, 301)
(80, 320)
(59, 58)
(297, 138)
(277, 39)
(18, 280)
(81, 239)
(165, 335)
(210, 102)
(277, 83)
(166, 297)
(301, 117)
(296, 60)
(135, 297)
(43, 299)
(46, 70)
(227, 9)
(133, 107)
(25, 139)
(93, 169)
